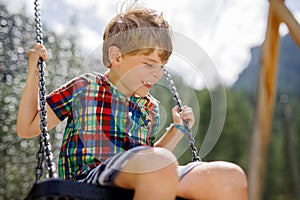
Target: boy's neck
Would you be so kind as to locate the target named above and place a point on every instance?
(114, 79)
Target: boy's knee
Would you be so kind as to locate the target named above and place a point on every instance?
(154, 166)
(151, 160)
(159, 165)
(232, 176)
(240, 177)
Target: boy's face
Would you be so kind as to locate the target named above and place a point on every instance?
(138, 73)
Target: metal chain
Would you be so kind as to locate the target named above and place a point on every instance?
(176, 98)
(44, 151)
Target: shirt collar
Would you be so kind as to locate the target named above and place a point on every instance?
(139, 100)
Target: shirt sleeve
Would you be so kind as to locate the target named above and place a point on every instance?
(61, 99)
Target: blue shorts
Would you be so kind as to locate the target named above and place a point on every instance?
(106, 173)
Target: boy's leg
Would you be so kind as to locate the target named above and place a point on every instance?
(214, 180)
(152, 173)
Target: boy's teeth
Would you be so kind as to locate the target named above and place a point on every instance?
(147, 83)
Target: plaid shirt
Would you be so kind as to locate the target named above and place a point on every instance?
(101, 122)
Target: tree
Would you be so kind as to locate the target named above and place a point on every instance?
(18, 155)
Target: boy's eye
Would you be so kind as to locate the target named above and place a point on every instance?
(154, 65)
(148, 64)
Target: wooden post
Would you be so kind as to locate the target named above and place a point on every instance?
(266, 94)
(284, 15)
(290, 150)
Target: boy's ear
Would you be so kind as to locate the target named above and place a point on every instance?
(114, 55)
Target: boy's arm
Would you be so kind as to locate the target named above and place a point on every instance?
(170, 139)
(172, 136)
(28, 119)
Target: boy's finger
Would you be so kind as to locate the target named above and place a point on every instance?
(175, 109)
(44, 55)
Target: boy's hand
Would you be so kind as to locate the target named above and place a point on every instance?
(186, 113)
(38, 51)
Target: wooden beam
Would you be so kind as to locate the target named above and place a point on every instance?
(289, 146)
(284, 15)
(267, 83)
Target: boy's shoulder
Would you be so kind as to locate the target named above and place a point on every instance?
(86, 81)
(93, 78)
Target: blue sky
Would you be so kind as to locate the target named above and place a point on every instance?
(225, 29)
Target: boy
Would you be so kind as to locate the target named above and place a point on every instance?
(112, 119)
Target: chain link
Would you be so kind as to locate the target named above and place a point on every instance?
(176, 98)
(44, 152)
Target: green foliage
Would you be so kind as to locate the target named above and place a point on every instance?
(233, 144)
(18, 155)
(15, 152)
(279, 178)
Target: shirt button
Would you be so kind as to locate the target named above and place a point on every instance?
(130, 114)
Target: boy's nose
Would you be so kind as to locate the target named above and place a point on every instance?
(157, 73)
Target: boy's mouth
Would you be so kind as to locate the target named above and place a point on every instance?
(147, 84)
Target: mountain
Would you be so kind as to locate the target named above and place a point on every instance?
(288, 81)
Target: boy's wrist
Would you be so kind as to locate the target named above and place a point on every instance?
(32, 70)
(178, 127)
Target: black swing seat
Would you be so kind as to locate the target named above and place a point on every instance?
(58, 189)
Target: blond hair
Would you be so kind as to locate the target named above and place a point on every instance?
(138, 30)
